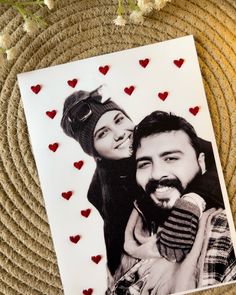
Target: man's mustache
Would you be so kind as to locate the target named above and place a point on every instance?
(153, 184)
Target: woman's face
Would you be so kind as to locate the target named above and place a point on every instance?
(113, 135)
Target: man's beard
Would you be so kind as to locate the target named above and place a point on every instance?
(153, 184)
(154, 212)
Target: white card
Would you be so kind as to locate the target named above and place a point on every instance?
(164, 76)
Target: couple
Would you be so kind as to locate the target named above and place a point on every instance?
(178, 195)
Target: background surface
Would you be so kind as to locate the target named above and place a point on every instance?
(76, 30)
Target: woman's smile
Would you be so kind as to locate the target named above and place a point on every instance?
(124, 143)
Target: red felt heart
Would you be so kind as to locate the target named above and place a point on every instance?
(163, 95)
(194, 110)
(85, 213)
(72, 83)
(179, 62)
(144, 62)
(67, 195)
(75, 239)
(51, 114)
(79, 164)
(129, 90)
(36, 88)
(88, 291)
(96, 258)
(104, 69)
(53, 147)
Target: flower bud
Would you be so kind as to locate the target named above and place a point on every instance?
(11, 53)
(49, 4)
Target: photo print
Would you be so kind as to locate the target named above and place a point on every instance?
(130, 173)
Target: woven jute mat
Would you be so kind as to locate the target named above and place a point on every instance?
(79, 29)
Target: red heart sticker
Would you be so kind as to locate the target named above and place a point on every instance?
(78, 165)
(67, 195)
(36, 88)
(194, 110)
(53, 147)
(179, 62)
(75, 239)
(144, 62)
(104, 69)
(72, 83)
(88, 291)
(51, 114)
(96, 258)
(85, 213)
(129, 90)
(163, 95)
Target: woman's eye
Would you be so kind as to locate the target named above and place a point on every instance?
(119, 119)
(102, 134)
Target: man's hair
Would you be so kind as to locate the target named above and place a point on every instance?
(159, 122)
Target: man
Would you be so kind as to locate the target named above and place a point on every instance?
(168, 253)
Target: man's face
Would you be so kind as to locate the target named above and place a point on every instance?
(166, 164)
(113, 135)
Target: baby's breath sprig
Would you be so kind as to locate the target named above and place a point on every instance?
(137, 10)
(31, 23)
(120, 21)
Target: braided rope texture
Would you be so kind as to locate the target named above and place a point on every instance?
(77, 30)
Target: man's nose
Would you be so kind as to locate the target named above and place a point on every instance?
(159, 171)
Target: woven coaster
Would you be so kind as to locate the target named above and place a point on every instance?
(76, 30)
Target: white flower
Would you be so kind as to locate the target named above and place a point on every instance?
(5, 41)
(30, 26)
(159, 4)
(49, 4)
(146, 6)
(119, 21)
(136, 17)
(11, 53)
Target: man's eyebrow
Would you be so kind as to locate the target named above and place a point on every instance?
(143, 159)
(167, 153)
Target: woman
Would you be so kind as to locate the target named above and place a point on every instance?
(104, 131)
(111, 191)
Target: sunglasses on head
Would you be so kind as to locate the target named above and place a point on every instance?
(83, 111)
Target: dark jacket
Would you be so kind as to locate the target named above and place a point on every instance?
(113, 190)
(208, 185)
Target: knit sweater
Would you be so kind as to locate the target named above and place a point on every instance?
(211, 260)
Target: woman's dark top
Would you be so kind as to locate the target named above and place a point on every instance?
(113, 190)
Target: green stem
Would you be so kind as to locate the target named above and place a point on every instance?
(132, 5)
(120, 8)
(21, 11)
(28, 14)
(27, 3)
